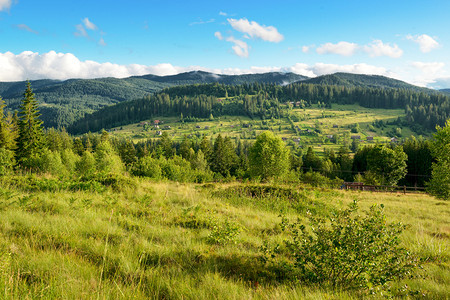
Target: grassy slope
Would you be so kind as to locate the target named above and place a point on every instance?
(342, 115)
(152, 242)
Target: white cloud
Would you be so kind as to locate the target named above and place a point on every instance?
(5, 4)
(256, 31)
(26, 28)
(378, 48)
(200, 22)
(429, 68)
(223, 13)
(102, 42)
(240, 48)
(305, 49)
(89, 24)
(218, 35)
(441, 83)
(341, 48)
(53, 65)
(322, 69)
(80, 31)
(426, 42)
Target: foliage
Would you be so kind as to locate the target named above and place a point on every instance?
(147, 167)
(389, 165)
(269, 157)
(439, 184)
(223, 233)
(6, 161)
(347, 251)
(30, 141)
(6, 128)
(86, 164)
(107, 160)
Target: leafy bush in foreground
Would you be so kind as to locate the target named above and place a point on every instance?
(346, 251)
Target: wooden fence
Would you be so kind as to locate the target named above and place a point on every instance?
(381, 188)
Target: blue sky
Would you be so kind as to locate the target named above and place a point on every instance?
(407, 40)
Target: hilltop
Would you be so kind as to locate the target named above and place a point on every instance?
(65, 102)
(368, 81)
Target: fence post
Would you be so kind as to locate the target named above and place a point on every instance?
(404, 189)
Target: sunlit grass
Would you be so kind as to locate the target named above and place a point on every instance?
(152, 242)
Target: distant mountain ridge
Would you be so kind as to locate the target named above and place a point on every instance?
(445, 91)
(361, 80)
(63, 102)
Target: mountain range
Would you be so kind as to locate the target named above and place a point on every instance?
(64, 102)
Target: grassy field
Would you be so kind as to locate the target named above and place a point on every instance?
(166, 240)
(321, 122)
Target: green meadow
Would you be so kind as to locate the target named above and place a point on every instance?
(166, 240)
(328, 128)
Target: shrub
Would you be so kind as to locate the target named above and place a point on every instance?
(107, 161)
(347, 251)
(86, 165)
(50, 162)
(316, 179)
(147, 167)
(223, 233)
(6, 161)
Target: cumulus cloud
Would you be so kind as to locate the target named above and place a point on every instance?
(341, 48)
(89, 25)
(53, 65)
(26, 28)
(374, 49)
(378, 48)
(426, 42)
(5, 4)
(256, 31)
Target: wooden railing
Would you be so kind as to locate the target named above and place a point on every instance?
(381, 188)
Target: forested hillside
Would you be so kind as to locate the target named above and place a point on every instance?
(64, 102)
(359, 80)
(423, 110)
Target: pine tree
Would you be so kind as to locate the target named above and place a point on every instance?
(30, 141)
(6, 128)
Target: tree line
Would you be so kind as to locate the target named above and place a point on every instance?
(423, 110)
(26, 146)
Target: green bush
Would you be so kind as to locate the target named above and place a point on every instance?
(316, 179)
(6, 161)
(50, 162)
(223, 233)
(346, 251)
(147, 167)
(86, 165)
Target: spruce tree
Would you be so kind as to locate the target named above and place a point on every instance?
(30, 141)
(6, 130)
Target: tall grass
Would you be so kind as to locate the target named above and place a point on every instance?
(152, 240)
